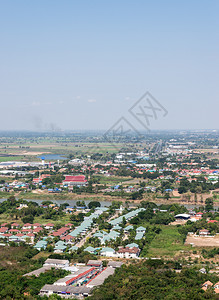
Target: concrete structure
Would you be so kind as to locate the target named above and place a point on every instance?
(38, 271)
(100, 278)
(115, 264)
(59, 263)
(79, 275)
(204, 232)
(65, 291)
(95, 263)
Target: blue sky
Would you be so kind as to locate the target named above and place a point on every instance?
(83, 64)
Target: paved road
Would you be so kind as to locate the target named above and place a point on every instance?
(88, 235)
(82, 241)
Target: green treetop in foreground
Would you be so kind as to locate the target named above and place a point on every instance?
(154, 279)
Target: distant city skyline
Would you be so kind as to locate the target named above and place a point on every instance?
(81, 65)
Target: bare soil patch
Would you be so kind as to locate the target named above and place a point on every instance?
(199, 241)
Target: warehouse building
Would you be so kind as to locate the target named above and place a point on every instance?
(58, 263)
(83, 274)
(65, 291)
(99, 279)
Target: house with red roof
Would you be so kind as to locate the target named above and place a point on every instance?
(19, 234)
(36, 225)
(204, 232)
(199, 215)
(7, 235)
(15, 225)
(27, 226)
(40, 178)
(71, 180)
(128, 252)
(49, 226)
(61, 232)
(216, 288)
(37, 229)
(3, 229)
(206, 285)
(69, 225)
(67, 238)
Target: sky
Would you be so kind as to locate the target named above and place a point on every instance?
(77, 65)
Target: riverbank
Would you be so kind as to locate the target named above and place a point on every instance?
(35, 196)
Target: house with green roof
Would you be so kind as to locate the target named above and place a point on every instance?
(117, 227)
(40, 245)
(140, 229)
(128, 228)
(91, 250)
(109, 252)
(73, 248)
(132, 245)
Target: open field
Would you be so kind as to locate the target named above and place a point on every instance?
(113, 180)
(167, 243)
(52, 146)
(203, 241)
(12, 158)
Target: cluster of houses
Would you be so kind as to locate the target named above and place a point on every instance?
(17, 233)
(109, 169)
(129, 251)
(41, 236)
(82, 167)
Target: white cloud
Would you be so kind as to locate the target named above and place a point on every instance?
(35, 103)
(92, 100)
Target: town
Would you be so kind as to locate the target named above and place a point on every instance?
(82, 218)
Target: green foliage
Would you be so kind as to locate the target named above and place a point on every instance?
(28, 219)
(153, 279)
(195, 186)
(209, 204)
(210, 253)
(94, 204)
(16, 261)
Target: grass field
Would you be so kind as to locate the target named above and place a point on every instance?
(6, 218)
(112, 180)
(12, 158)
(5, 195)
(31, 150)
(63, 220)
(167, 243)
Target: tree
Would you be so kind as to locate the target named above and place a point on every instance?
(28, 219)
(198, 189)
(195, 198)
(209, 204)
(94, 204)
(182, 189)
(167, 196)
